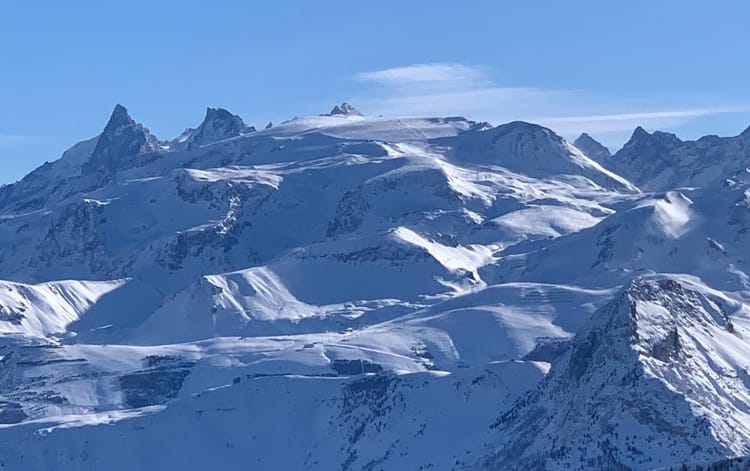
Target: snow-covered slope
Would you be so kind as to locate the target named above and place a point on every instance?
(699, 231)
(48, 309)
(535, 151)
(348, 292)
(657, 377)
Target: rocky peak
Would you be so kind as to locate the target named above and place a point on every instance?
(344, 109)
(649, 354)
(639, 133)
(592, 148)
(641, 137)
(219, 124)
(121, 140)
(119, 118)
(646, 157)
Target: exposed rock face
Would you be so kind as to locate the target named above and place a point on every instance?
(121, 140)
(219, 124)
(344, 109)
(660, 161)
(592, 148)
(642, 375)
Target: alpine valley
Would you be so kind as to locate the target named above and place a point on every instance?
(341, 292)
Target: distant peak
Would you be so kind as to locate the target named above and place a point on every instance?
(662, 139)
(344, 109)
(219, 124)
(120, 110)
(269, 125)
(220, 114)
(121, 140)
(639, 132)
(591, 147)
(119, 118)
(639, 135)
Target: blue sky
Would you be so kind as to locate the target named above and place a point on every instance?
(601, 67)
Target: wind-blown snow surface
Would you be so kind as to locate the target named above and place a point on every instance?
(345, 292)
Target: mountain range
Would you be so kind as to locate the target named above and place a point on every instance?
(357, 293)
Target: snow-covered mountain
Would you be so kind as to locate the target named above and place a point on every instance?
(348, 292)
(656, 377)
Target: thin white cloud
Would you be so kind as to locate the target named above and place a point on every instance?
(480, 103)
(446, 89)
(423, 73)
(649, 115)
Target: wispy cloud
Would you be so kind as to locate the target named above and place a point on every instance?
(458, 89)
(442, 74)
(440, 88)
(616, 123)
(648, 115)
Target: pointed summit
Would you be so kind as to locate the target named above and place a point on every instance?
(118, 119)
(121, 140)
(344, 109)
(219, 124)
(642, 137)
(639, 136)
(640, 132)
(592, 148)
(269, 125)
(646, 156)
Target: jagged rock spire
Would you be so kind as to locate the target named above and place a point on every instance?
(344, 109)
(118, 118)
(121, 140)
